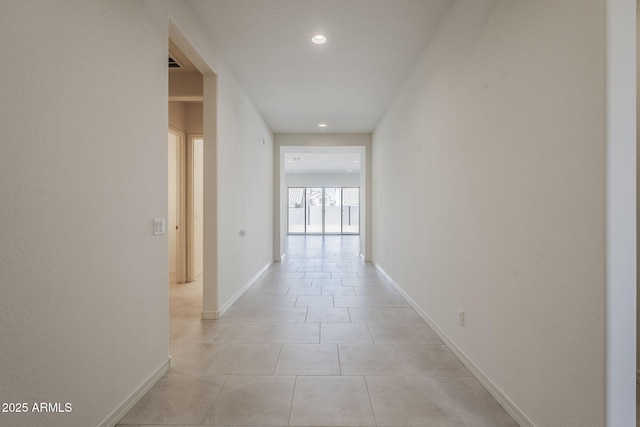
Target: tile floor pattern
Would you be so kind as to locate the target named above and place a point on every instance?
(321, 339)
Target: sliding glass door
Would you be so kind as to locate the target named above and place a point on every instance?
(350, 211)
(315, 210)
(323, 210)
(333, 210)
(296, 211)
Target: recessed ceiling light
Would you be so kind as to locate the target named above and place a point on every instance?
(319, 39)
(349, 170)
(355, 161)
(322, 125)
(290, 161)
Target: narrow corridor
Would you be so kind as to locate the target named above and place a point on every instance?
(321, 339)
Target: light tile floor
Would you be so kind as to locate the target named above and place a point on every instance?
(321, 339)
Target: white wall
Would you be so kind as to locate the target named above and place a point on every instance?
(194, 118)
(83, 171)
(494, 150)
(637, 188)
(178, 115)
(186, 117)
(621, 284)
(322, 180)
(237, 157)
(184, 85)
(245, 147)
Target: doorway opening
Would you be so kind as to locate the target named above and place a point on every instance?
(338, 166)
(323, 210)
(186, 166)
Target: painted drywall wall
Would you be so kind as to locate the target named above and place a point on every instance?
(494, 152)
(322, 180)
(84, 306)
(318, 142)
(637, 188)
(178, 115)
(245, 147)
(620, 243)
(186, 117)
(238, 156)
(185, 86)
(210, 306)
(194, 118)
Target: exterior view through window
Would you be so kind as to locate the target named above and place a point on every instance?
(324, 210)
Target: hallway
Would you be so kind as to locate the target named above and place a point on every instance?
(321, 339)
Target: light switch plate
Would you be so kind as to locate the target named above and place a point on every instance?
(460, 316)
(158, 227)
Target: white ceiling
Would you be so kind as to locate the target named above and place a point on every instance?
(347, 82)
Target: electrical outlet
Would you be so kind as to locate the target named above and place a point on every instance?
(460, 316)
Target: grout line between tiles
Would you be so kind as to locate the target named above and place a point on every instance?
(277, 360)
(295, 383)
(213, 400)
(366, 384)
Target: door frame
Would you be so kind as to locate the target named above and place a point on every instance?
(181, 211)
(189, 207)
(342, 214)
(320, 143)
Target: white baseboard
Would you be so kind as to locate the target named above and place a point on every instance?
(503, 400)
(129, 403)
(215, 315)
(241, 292)
(210, 315)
